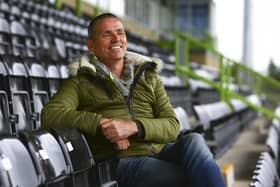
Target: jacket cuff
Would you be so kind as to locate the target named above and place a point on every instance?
(141, 131)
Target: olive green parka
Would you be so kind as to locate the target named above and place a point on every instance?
(88, 95)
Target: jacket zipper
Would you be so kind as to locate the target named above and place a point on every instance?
(137, 76)
(128, 99)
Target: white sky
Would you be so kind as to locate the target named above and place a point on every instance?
(115, 6)
(266, 33)
(265, 30)
(229, 24)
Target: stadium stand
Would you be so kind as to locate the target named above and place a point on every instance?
(266, 171)
(16, 87)
(202, 93)
(221, 125)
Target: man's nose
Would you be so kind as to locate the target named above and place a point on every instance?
(115, 36)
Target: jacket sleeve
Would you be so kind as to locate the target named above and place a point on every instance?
(165, 126)
(62, 110)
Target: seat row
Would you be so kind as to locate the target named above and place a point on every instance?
(267, 168)
(222, 123)
(265, 173)
(186, 96)
(26, 86)
(57, 158)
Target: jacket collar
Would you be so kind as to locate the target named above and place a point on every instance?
(130, 57)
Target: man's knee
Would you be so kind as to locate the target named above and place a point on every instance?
(164, 174)
(152, 172)
(194, 143)
(195, 137)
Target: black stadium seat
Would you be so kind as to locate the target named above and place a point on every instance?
(221, 125)
(85, 171)
(4, 9)
(78, 154)
(5, 127)
(16, 165)
(18, 36)
(54, 170)
(53, 76)
(18, 96)
(240, 109)
(5, 42)
(183, 118)
(202, 93)
(37, 79)
(265, 173)
(7, 124)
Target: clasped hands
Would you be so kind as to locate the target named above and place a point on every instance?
(118, 131)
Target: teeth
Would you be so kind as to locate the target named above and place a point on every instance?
(116, 47)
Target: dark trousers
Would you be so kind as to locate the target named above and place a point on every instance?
(186, 162)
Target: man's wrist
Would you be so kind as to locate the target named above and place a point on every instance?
(140, 128)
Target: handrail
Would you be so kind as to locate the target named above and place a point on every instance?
(78, 8)
(57, 4)
(225, 73)
(190, 39)
(266, 78)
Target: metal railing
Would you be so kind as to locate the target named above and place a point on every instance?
(245, 76)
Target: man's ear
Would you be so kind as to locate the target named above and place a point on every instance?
(90, 45)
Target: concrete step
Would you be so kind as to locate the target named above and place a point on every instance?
(244, 153)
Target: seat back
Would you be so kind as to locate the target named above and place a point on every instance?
(54, 77)
(85, 171)
(16, 165)
(5, 125)
(202, 115)
(183, 118)
(18, 87)
(78, 153)
(37, 78)
(18, 35)
(5, 40)
(272, 142)
(48, 157)
(265, 173)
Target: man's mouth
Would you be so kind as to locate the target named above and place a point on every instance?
(116, 47)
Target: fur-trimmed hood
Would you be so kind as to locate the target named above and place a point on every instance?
(130, 57)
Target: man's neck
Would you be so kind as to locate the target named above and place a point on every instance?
(116, 67)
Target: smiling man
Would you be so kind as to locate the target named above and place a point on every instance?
(108, 43)
(117, 99)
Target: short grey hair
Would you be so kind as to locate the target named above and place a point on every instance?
(96, 19)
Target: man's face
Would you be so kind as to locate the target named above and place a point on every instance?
(108, 41)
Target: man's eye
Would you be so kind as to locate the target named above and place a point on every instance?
(106, 34)
(121, 33)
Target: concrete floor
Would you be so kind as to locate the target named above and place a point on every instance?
(245, 151)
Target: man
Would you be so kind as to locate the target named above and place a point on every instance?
(117, 99)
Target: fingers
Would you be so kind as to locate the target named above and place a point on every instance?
(122, 144)
(117, 129)
(104, 121)
(113, 137)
